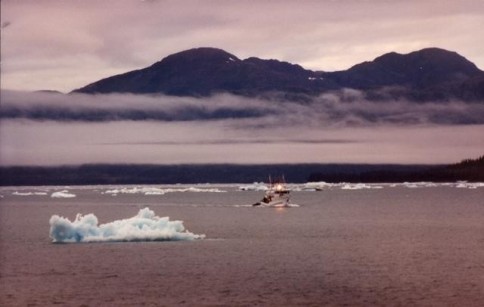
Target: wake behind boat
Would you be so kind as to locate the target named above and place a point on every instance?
(277, 195)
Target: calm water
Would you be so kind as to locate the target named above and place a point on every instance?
(379, 245)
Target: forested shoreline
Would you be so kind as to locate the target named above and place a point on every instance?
(467, 170)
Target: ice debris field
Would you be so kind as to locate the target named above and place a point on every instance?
(58, 192)
(145, 226)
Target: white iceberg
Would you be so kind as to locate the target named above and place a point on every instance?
(145, 226)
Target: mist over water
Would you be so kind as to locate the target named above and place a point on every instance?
(337, 127)
(341, 107)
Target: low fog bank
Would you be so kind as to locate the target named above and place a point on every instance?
(345, 107)
(57, 129)
(29, 142)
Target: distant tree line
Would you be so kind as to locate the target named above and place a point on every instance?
(469, 170)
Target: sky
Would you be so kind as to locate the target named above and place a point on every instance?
(65, 44)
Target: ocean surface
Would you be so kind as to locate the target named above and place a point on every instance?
(418, 244)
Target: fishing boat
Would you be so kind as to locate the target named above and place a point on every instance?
(276, 195)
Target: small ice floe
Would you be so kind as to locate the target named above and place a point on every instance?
(154, 193)
(158, 191)
(415, 185)
(136, 190)
(145, 226)
(469, 185)
(359, 186)
(412, 185)
(256, 186)
(62, 194)
(194, 190)
(316, 186)
(28, 193)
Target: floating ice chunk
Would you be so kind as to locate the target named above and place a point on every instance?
(113, 192)
(22, 193)
(158, 191)
(469, 185)
(355, 186)
(359, 186)
(154, 193)
(194, 190)
(256, 186)
(317, 186)
(145, 226)
(411, 185)
(28, 193)
(414, 185)
(136, 190)
(62, 194)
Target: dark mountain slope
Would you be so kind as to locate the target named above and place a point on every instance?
(472, 89)
(419, 69)
(204, 71)
(186, 73)
(425, 75)
(428, 74)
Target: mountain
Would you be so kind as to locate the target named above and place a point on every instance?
(204, 71)
(428, 74)
(420, 69)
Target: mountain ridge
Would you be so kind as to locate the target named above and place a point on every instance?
(427, 74)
